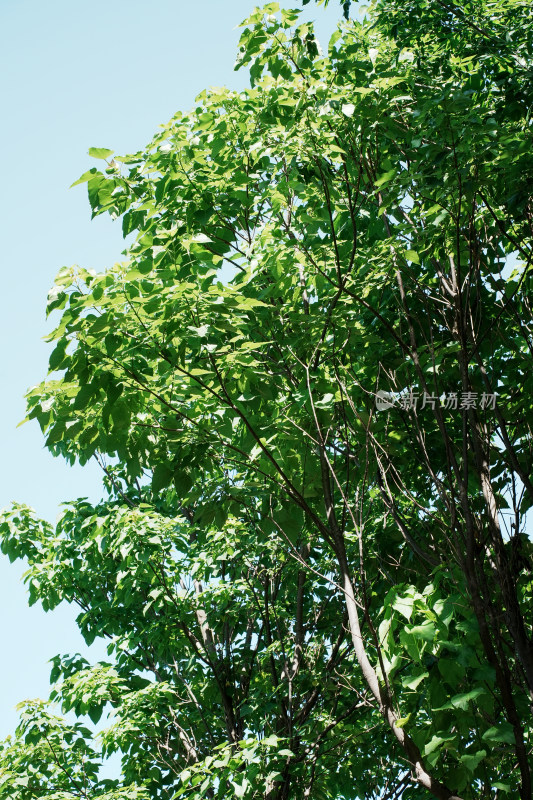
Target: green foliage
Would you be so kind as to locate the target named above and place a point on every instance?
(304, 595)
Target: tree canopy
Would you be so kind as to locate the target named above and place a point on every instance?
(309, 388)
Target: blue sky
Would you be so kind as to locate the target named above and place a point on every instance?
(73, 76)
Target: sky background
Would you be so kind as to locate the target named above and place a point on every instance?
(76, 75)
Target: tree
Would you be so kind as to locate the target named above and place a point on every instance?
(308, 387)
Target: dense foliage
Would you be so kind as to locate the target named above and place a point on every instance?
(309, 388)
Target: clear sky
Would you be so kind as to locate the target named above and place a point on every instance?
(75, 75)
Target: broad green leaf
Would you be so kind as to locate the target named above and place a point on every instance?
(100, 152)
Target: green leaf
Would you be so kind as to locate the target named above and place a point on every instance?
(426, 631)
(437, 741)
(86, 176)
(451, 671)
(401, 722)
(412, 255)
(100, 152)
(500, 733)
(412, 682)
(463, 700)
(121, 415)
(386, 178)
(472, 760)
(404, 605)
(162, 477)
